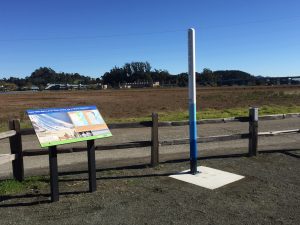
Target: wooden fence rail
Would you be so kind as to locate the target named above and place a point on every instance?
(206, 139)
(7, 134)
(5, 158)
(30, 131)
(15, 137)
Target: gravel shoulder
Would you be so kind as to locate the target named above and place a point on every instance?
(269, 194)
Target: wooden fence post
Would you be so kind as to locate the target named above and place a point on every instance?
(154, 141)
(253, 131)
(16, 148)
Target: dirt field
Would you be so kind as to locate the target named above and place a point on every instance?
(142, 102)
(269, 194)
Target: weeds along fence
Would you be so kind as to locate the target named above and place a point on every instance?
(15, 134)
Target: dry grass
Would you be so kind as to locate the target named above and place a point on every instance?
(138, 103)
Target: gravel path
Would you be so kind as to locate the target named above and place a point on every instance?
(269, 194)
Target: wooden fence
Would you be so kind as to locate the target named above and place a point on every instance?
(17, 153)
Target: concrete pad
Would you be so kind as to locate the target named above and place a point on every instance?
(208, 177)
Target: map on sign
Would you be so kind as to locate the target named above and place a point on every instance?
(57, 126)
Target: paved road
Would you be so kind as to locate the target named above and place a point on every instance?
(40, 163)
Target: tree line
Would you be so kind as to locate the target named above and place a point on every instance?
(43, 76)
(129, 73)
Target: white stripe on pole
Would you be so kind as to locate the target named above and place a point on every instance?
(192, 66)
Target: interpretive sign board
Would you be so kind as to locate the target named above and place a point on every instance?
(57, 126)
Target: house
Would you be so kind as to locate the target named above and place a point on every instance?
(34, 88)
(65, 86)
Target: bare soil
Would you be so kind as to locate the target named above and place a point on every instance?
(269, 194)
(142, 102)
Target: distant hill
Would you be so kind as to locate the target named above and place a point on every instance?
(224, 77)
(233, 74)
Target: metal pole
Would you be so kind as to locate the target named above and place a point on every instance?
(192, 101)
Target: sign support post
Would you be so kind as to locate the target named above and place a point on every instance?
(192, 101)
(53, 173)
(91, 165)
(54, 170)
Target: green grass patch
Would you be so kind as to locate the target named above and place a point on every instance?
(225, 113)
(30, 183)
(212, 114)
(267, 110)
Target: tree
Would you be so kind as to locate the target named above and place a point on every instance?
(129, 73)
(208, 77)
(43, 76)
(182, 80)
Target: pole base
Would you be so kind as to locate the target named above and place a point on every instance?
(194, 170)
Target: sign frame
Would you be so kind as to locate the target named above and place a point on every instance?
(58, 126)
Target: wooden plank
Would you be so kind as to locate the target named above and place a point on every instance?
(7, 134)
(292, 115)
(130, 125)
(205, 121)
(238, 119)
(279, 132)
(272, 117)
(230, 119)
(175, 142)
(27, 131)
(138, 144)
(206, 139)
(35, 152)
(221, 138)
(5, 158)
(165, 124)
(178, 123)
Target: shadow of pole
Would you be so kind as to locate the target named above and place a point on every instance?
(31, 203)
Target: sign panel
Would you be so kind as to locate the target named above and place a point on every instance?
(57, 126)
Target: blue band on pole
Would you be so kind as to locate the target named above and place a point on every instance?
(193, 132)
(193, 138)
